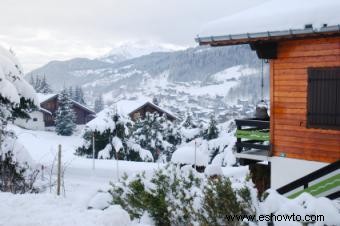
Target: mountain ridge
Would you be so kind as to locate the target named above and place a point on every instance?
(180, 78)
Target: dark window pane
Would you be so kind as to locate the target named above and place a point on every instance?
(323, 103)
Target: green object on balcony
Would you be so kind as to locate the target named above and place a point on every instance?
(253, 135)
(330, 183)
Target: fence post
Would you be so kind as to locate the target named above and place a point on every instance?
(93, 151)
(59, 170)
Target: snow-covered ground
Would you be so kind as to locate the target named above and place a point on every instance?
(81, 184)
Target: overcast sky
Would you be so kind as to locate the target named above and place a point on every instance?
(43, 30)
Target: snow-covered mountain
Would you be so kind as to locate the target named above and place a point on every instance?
(203, 80)
(132, 49)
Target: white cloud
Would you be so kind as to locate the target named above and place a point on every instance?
(44, 30)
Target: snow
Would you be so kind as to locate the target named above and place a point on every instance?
(117, 143)
(276, 15)
(305, 204)
(132, 49)
(213, 170)
(12, 82)
(105, 153)
(124, 107)
(186, 155)
(144, 154)
(234, 73)
(81, 183)
(48, 209)
(103, 120)
(42, 97)
(237, 172)
(84, 187)
(20, 153)
(100, 201)
(189, 133)
(155, 106)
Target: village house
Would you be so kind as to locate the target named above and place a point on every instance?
(150, 107)
(49, 102)
(300, 144)
(36, 120)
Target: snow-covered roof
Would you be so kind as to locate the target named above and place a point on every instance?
(42, 97)
(45, 110)
(45, 97)
(156, 107)
(103, 118)
(125, 107)
(83, 107)
(272, 19)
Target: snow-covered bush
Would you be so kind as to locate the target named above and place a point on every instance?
(16, 177)
(221, 200)
(181, 196)
(200, 151)
(17, 99)
(111, 133)
(156, 134)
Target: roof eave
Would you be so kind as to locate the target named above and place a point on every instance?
(155, 106)
(247, 38)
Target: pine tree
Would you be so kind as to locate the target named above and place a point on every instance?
(32, 81)
(44, 86)
(71, 93)
(40, 84)
(212, 131)
(15, 176)
(155, 100)
(188, 121)
(99, 104)
(79, 95)
(65, 116)
(156, 134)
(35, 82)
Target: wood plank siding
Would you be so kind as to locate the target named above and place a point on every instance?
(289, 81)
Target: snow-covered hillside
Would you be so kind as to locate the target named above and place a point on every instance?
(203, 80)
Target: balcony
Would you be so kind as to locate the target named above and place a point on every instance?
(253, 139)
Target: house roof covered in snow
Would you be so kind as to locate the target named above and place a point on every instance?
(47, 97)
(274, 20)
(45, 111)
(168, 114)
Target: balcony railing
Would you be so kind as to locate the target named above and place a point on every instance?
(322, 182)
(252, 134)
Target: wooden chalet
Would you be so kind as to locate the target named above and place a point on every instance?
(49, 102)
(141, 111)
(301, 141)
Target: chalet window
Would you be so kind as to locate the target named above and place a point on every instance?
(136, 115)
(323, 98)
(35, 119)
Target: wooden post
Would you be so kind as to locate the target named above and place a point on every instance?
(93, 151)
(117, 166)
(59, 170)
(195, 155)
